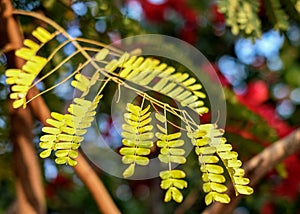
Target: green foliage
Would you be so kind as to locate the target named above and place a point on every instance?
(243, 16)
(66, 131)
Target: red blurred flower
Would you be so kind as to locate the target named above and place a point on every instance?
(188, 34)
(154, 12)
(290, 186)
(60, 182)
(257, 93)
(216, 16)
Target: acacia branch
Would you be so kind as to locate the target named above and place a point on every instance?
(257, 167)
(83, 169)
(29, 186)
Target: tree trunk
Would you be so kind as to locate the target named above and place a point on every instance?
(29, 187)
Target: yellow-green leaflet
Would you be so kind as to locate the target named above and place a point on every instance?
(245, 190)
(212, 168)
(129, 171)
(102, 54)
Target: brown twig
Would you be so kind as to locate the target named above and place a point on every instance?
(257, 167)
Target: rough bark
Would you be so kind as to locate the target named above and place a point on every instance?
(29, 186)
(257, 167)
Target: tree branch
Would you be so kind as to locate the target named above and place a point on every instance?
(29, 186)
(257, 167)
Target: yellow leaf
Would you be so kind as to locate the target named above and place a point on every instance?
(216, 178)
(72, 162)
(62, 153)
(245, 190)
(127, 151)
(63, 145)
(176, 92)
(175, 143)
(178, 159)
(208, 159)
(41, 34)
(82, 102)
(145, 110)
(172, 151)
(48, 137)
(165, 174)
(45, 153)
(51, 130)
(145, 129)
(180, 77)
(168, 195)
(183, 95)
(20, 88)
(73, 154)
(54, 123)
(79, 86)
(239, 172)
(130, 128)
(209, 198)
(175, 173)
(168, 88)
(19, 103)
(61, 160)
(241, 180)
(102, 54)
(143, 151)
(176, 195)
(133, 109)
(234, 163)
(218, 187)
(189, 100)
(206, 187)
(47, 144)
(221, 197)
(162, 129)
(128, 159)
(129, 171)
(189, 82)
(142, 160)
(161, 84)
(196, 104)
(180, 184)
(207, 150)
(25, 53)
(195, 87)
(202, 110)
(31, 44)
(57, 116)
(228, 155)
(67, 130)
(212, 168)
(166, 184)
(131, 117)
(145, 121)
(13, 72)
(199, 94)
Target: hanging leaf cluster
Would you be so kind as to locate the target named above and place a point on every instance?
(244, 16)
(65, 131)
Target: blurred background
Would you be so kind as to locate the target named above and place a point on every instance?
(260, 76)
